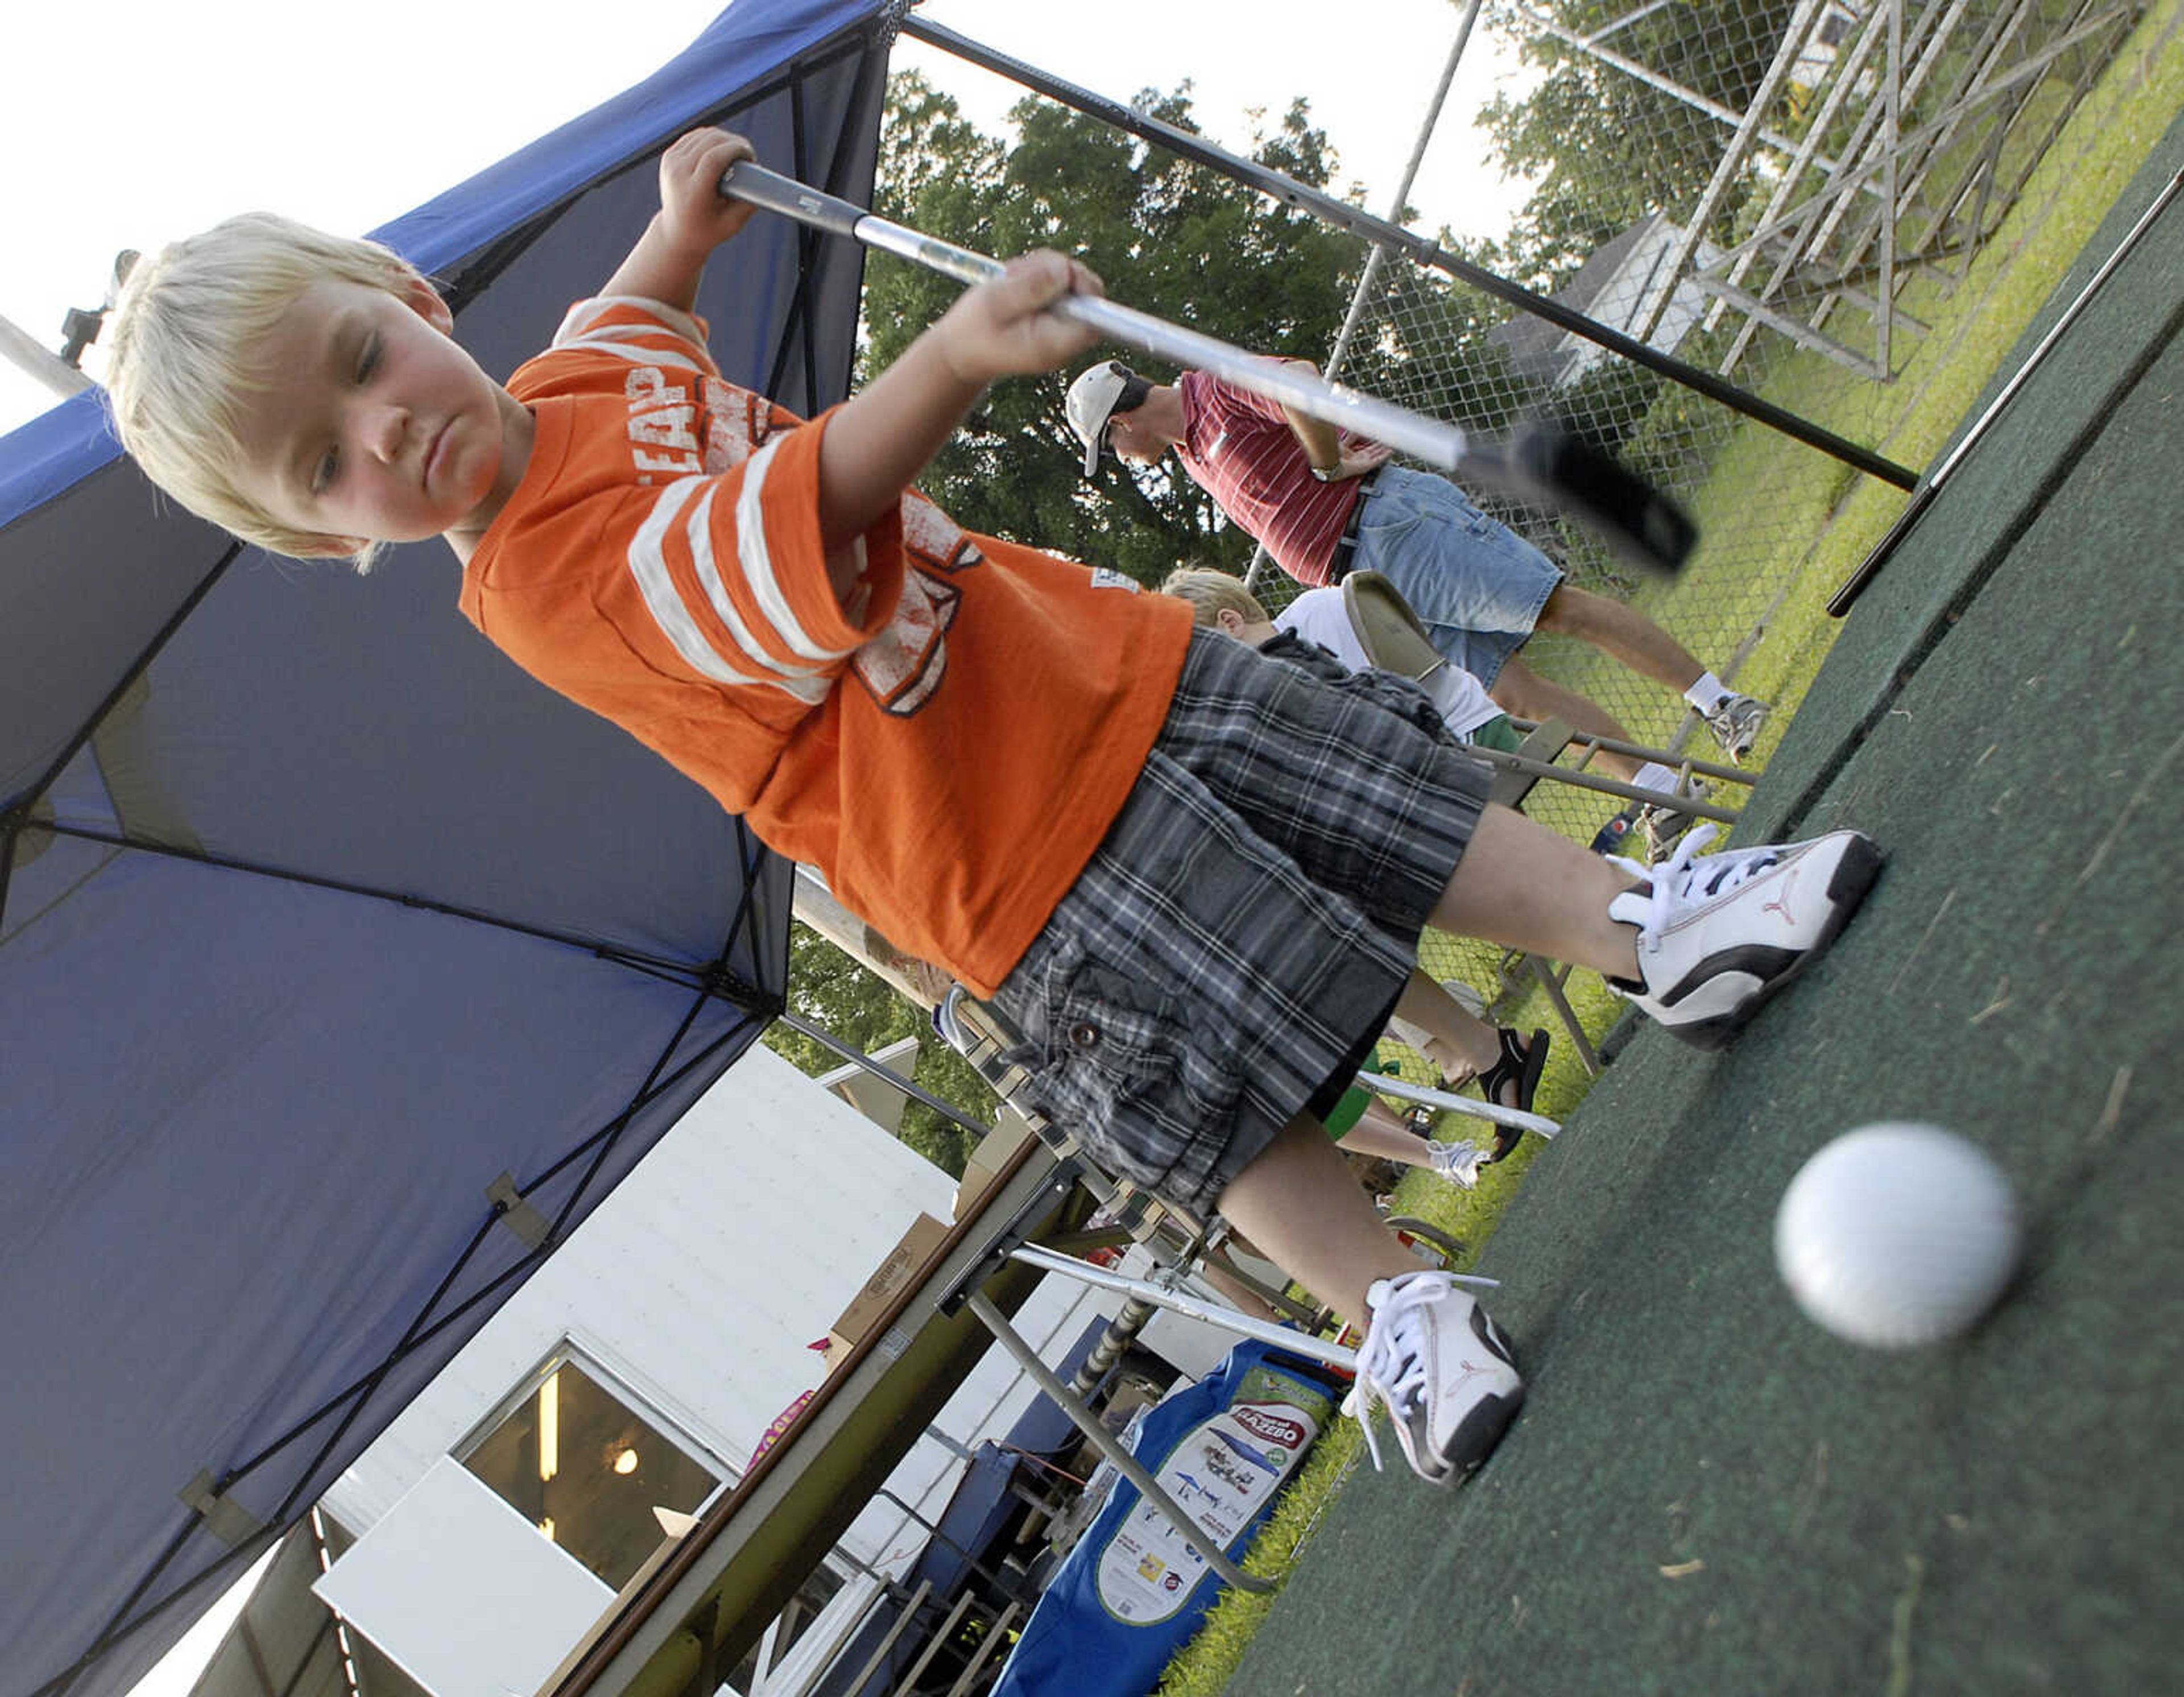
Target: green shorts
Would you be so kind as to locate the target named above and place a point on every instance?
(1350, 1109)
(1498, 733)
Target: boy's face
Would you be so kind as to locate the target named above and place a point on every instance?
(373, 426)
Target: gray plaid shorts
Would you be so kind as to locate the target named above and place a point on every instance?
(1239, 936)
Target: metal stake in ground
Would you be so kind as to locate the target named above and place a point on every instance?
(1541, 464)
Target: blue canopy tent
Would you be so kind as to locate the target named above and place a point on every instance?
(342, 968)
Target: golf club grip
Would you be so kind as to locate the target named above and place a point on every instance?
(774, 192)
(1437, 442)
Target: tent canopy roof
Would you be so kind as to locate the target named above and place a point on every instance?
(322, 927)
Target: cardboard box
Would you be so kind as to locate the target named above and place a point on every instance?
(895, 1272)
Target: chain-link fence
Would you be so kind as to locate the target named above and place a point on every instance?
(1809, 158)
(1769, 196)
(1781, 179)
(1769, 192)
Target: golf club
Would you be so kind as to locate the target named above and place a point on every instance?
(1543, 466)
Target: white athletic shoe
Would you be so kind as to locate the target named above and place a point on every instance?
(1717, 937)
(1736, 721)
(1459, 1162)
(1441, 1369)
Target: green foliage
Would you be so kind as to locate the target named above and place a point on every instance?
(1171, 238)
(1608, 148)
(859, 1008)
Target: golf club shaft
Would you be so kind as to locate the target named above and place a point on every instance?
(1435, 443)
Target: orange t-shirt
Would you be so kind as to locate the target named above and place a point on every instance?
(950, 765)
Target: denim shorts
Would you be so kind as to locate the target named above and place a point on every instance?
(1476, 585)
(1241, 935)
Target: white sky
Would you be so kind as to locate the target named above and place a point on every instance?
(347, 120)
(130, 123)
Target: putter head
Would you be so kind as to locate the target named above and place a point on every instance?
(1547, 466)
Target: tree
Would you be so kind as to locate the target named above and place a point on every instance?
(1169, 237)
(1608, 148)
(859, 1008)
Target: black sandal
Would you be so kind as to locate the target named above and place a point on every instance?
(1516, 1075)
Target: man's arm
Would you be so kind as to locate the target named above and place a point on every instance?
(1322, 442)
(694, 218)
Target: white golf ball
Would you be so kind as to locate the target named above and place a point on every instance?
(1898, 1234)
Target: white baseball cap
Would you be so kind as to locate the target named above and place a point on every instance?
(1099, 392)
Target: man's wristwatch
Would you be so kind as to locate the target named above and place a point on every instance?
(1325, 473)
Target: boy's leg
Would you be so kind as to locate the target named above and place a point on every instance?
(1430, 1356)
(1525, 887)
(1237, 1294)
(1299, 1205)
(1700, 946)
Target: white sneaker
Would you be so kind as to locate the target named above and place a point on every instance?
(1459, 1163)
(1441, 1369)
(1717, 937)
(1736, 721)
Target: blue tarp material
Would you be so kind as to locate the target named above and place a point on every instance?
(317, 916)
(1133, 1593)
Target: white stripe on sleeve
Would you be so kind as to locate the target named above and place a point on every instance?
(698, 530)
(585, 314)
(757, 562)
(647, 565)
(603, 342)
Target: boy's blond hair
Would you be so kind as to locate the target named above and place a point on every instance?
(1211, 593)
(179, 358)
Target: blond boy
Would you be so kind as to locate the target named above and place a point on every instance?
(1013, 766)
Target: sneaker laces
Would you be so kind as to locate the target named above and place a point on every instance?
(1391, 1367)
(1676, 882)
(1459, 1162)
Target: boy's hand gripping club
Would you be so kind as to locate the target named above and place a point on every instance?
(1542, 465)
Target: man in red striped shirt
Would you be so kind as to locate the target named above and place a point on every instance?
(1325, 503)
